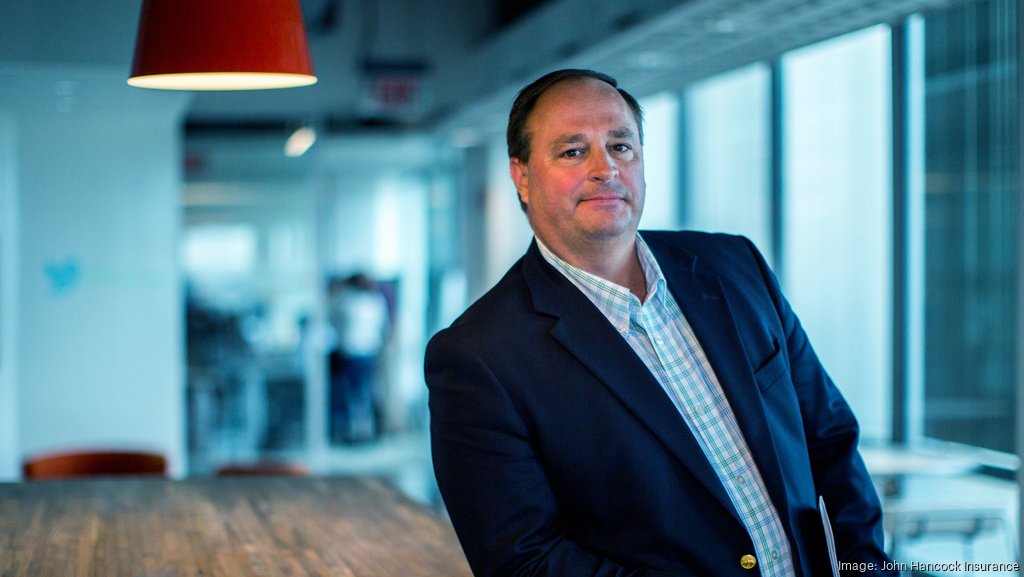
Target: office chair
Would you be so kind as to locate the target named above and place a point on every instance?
(93, 463)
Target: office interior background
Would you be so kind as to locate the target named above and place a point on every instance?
(164, 265)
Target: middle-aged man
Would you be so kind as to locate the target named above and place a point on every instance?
(635, 404)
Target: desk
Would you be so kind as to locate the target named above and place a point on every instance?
(223, 527)
(909, 517)
(895, 461)
(889, 465)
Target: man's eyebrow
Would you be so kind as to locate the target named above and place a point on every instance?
(580, 137)
(568, 139)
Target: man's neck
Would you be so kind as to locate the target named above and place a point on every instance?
(613, 261)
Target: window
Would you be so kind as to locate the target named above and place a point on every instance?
(836, 214)
(661, 161)
(728, 155)
(970, 224)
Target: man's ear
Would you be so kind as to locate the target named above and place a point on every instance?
(520, 178)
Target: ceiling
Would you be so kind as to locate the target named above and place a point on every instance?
(671, 47)
(456, 63)
(465, 59)
(356, 46)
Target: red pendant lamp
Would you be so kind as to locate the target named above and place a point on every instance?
(221, 45)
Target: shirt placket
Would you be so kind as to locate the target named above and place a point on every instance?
(718, 434)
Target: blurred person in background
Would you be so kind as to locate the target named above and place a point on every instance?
(358, 312)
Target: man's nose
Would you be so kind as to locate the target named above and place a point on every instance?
(603, 167)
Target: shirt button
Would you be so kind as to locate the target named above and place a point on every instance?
(775, 553)
(748, 561)
(741, 479)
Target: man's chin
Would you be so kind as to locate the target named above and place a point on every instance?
(611, 231)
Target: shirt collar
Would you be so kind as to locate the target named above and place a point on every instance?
(655, 279)
(653, 276)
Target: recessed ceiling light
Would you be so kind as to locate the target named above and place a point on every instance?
(300, 141)
(724, 26)
(653, 60)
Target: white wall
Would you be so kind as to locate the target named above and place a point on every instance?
(506, 231)
(9, 463)
(99, 341)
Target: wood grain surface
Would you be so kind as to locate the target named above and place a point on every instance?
(222, 527)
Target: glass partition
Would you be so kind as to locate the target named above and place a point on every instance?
(970, 220)
(728, 155)
(836, 213)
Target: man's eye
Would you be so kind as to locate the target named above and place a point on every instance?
(621, 147)
(572, 153)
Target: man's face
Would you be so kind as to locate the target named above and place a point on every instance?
(583, 183)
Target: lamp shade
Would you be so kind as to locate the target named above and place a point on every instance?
(221, 45)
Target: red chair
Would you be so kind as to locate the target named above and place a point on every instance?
(262, 468)
(69, 464)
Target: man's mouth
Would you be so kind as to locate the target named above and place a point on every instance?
(602, 199)
(604, 196)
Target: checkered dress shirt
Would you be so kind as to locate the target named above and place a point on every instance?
(660, 335)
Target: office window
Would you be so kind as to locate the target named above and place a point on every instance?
(213, 253)
(836, 213)
(661, 161)
(728, 155)
(970, 223)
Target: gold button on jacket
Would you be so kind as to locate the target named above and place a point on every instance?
(748, 561)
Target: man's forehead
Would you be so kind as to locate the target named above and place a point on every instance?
(580, 92)
(581, 102)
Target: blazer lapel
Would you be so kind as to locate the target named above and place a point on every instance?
(588, 336)
(707, 310)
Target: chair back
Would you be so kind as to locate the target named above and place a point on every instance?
(262, 468)
(93, 464)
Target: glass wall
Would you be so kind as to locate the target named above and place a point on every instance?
(661, 161)
(881, 217)
(970, 221)
(837, 202)
(307, 303)
(834, 213)
(248, 254)
(728, 157)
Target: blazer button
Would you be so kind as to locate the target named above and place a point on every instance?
(748, 561)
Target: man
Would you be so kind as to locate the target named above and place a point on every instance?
(624, 404)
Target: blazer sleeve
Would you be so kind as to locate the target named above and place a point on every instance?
(494, 487)
(832, 434)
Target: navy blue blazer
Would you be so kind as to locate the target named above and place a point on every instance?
(558, 453)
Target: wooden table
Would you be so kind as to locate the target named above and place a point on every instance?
(221, 527)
